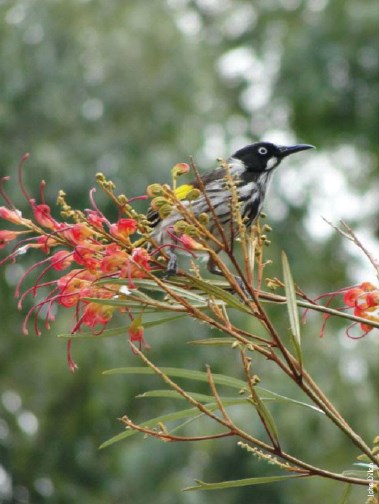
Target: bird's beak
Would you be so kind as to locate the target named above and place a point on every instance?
(286, 151)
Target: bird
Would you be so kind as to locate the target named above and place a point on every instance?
(251, 169)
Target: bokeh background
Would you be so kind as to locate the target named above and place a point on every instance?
(130, 89)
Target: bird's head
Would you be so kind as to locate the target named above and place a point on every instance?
(265, 156)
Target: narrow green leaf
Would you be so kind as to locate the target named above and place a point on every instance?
(345, 495)
(201, 376)
(181, 373)
(150, 285)
(230, 299)
(119, 331)
(293, 311)
(173, 394)
(367, 466)
(364, 458)
(201, 485)
(279, 397)
(266, 417)
(203, 398)
(213, 341)
(227, 400)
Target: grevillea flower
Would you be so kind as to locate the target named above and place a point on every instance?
(7, 236)
(363, 299)
(123, 228)
(13, 216)
(136, 332)
(86, 259)
(97, 314)
(42, 215)
(190, 243)
(61, 260)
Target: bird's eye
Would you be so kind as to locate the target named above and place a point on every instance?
(262, 150)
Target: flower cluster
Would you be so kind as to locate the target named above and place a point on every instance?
(363, 299)
(86, 251)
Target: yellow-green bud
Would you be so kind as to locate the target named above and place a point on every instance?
(180, 226)
(165, 210)
(191, 230)
(158, 202)
(180, 169)
(193, 194)
(203, 219)
(154, 190)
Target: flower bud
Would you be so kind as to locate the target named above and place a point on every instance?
(180, 169)
(154, 190)
(203, 219)
(158, 202)
(165, 210)
(180, 226)
(193, 194)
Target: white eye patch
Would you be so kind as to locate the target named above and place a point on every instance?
(271, 163)
(262, 150)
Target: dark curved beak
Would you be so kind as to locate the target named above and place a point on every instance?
(292, 149)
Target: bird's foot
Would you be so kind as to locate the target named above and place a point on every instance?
(172, 265)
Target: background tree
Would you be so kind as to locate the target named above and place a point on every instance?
(129, 89)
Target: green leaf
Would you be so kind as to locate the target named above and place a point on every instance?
(219, 379)
(213, 341)
(173, 394)
(119, 331)
(201, 485)
(279, 397)
(345, 494)
(150, 285)
(213, 290)
(364, 458)
(367, 466)
(201, 376)
(266, 417)
(293, 311)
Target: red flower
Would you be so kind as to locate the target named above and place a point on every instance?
(95, 219)
(42, 215)
(97, 314)
(350, 297)
(141, 257)
(123, 228)
(77, 233)
(136, 331)
(7, 236)
(10, 215)
(61, 260)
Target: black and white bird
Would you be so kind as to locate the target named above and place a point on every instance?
(251, 169)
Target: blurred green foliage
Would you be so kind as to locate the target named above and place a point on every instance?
(129, 89)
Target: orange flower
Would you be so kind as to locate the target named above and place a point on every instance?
(61, 260)
(10, 215)
(123, 228)
(350, 297)
(42, 215)
(7, 236)
(97, 314)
